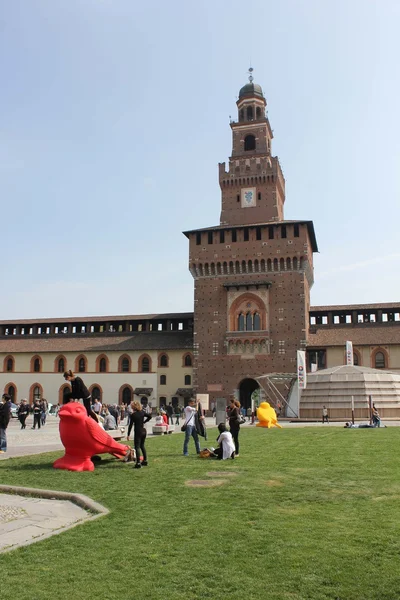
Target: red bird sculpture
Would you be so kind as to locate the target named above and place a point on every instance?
(82, 438)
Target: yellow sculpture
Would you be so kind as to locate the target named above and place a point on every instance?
(266, 416)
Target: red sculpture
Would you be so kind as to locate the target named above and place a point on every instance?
(82, 438)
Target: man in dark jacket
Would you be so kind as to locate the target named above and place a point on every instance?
(4, 421)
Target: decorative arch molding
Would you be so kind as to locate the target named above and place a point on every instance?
(187, 359)
(121, 392)
(7, 387)
(121, 362)
(77, 361)
(99, 359)
(240, 307)
(163, 360)
(35, 358)
(57, 364)
(96, 385)
(8, 358)
(142, 358)
(379, 350)
(32, 391)
(61, 392)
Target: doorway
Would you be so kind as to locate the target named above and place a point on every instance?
(246, 388)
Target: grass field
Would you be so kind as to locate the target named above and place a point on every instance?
(311, 513)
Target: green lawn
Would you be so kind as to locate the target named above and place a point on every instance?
(312, 513)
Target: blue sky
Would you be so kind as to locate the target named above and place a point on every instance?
(114, 115)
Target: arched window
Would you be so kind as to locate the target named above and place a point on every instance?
(241, 322)
(10, 365)
(380, 360)
(36, 365)
(249, 113)
(249, 322)
(356, 361)
(144, 363)
(188, 380)
(163, 380)
(187, 361)
(102, 365)
(126, 395)
(11, 392)
(256, 322)
(96, 393)
(61, 365)
(81, 365)
(36, 393)
(258, 112)
(163, 360)
(249, 142)
(125, 366)
(241, 115)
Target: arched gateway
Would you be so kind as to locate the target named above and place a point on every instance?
(246, 388)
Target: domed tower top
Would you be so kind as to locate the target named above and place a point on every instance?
(251, 102)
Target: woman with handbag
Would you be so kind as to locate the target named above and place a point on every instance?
(234, 422)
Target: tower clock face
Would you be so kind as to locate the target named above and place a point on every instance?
(248, 197)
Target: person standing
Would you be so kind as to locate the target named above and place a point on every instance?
(37, 412)
(137, 420)
(5, 414)
(23, 411)
(234, 422)
(190, 423)
(376, 418)
(170, 412)
(79, 391)
(43, 414)
(325, 416)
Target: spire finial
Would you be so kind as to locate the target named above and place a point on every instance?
(251, 74)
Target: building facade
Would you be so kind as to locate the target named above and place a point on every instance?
(252, 278)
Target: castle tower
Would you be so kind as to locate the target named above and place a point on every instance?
(253, 272)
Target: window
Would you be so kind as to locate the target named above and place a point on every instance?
(188, 380)
(188, 360)
(163, 401)
(126, 395)
(125, 366)
(11, 392)
(271, 232)
(36, 393)
(356, 361)
(249, 113)
(234, 235)
(61, 365)
(249, 322)
(249, 143)
(210, 237)
(241, 322)
(102, 365)
(258, 112)
(256, 322)
(222, 237)
(258, 233)
(81, 365)
(163, 380)
(163, 360)
(246, 235)
(96, 393)
(283, 231)
(241, 115)
(198, 239)
(10, 365)
(36, 365)
(145, 365)
(379, 360)
(238, 198)
(296, 231)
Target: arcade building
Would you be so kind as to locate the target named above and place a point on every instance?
(252, 273)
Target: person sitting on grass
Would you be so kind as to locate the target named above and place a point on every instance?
(226, 447)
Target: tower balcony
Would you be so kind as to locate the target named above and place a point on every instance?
(248, 343)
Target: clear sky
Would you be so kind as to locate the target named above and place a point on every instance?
(114, 115)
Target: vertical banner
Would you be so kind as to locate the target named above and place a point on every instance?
(349, 354)
(301, 369)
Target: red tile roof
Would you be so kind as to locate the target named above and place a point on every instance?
(372, 335)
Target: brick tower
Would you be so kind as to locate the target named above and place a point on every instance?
(253, 272)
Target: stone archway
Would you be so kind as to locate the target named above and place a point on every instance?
(246, 388)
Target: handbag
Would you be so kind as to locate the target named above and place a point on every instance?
(184, 426)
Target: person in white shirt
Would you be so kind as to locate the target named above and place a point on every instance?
(226, 447)
(191, 431)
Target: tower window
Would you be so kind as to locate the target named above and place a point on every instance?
(259, 195)
(222, 237)
(246, 235)
(258, 233)
(241, 115)
(258, 112)
(283, 231)
(249, 143)
(271, 232)
(210, 237)
(238, 198)
(296, 231)
(198, 239)
(249, 113)
(234, 235)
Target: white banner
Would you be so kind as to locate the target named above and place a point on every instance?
(301, 369)
(349, 354)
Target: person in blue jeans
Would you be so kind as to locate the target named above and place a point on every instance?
(190, 422)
